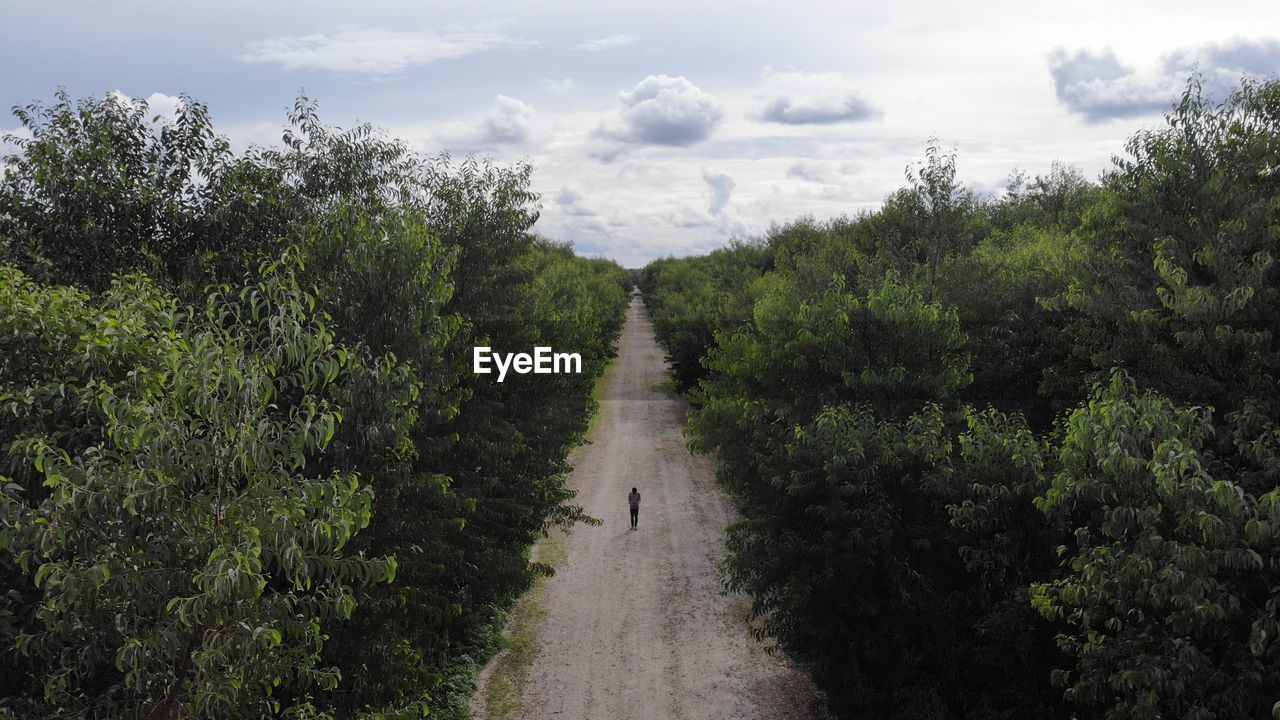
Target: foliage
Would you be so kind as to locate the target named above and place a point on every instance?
(185, 555)
(101, 188)
(1170, 586)
(399, 264)
(955, 505)
(684, 299)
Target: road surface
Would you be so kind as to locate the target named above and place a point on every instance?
(635, 624)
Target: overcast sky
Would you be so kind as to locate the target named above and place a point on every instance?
(667, 127)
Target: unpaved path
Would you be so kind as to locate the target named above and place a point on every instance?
(635, 624)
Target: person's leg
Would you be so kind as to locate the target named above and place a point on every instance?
(635, 515)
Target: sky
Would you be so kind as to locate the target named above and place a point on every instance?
(667, 128)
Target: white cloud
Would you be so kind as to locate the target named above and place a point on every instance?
(260, 134)
(664, 110)
(508, 121)
(371, 51)
(721, 187)
(606, 43)
(161, 106)
(508, 129)
(803, 98)
(9, 143)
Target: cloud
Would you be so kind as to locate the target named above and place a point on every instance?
(1257, 57)
(164, 106)
(823, 173)
(664, 110)
(1223, 64)
(371, 51)
(802, 98)
(811, 171)
(685, 217)
(11, 144)
(161, 107)
(569, 201)
(721, 186)
(606, 43)
(1097, 86)
(508, 121)
(589, 226)
(563, 86)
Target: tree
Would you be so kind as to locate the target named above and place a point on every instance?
(1169, 591)
(162, 500)
(410, 261)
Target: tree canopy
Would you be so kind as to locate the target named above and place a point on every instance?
(246, 469)
(1011, 456)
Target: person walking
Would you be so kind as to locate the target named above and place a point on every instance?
(634, 501)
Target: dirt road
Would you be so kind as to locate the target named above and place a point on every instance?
(634, 625)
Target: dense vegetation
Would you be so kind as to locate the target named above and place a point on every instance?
(246, 469)
(1012, 457)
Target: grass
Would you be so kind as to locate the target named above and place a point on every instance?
(667, 386)
(509, 672)
(597, 394)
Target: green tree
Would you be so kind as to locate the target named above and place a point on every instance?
(1181, 286)
(186, 558)
(822, 413)
(101, 187)
(1169, 591)
(412, 260)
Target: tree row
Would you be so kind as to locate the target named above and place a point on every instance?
(1014, 456)
(246, 470)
